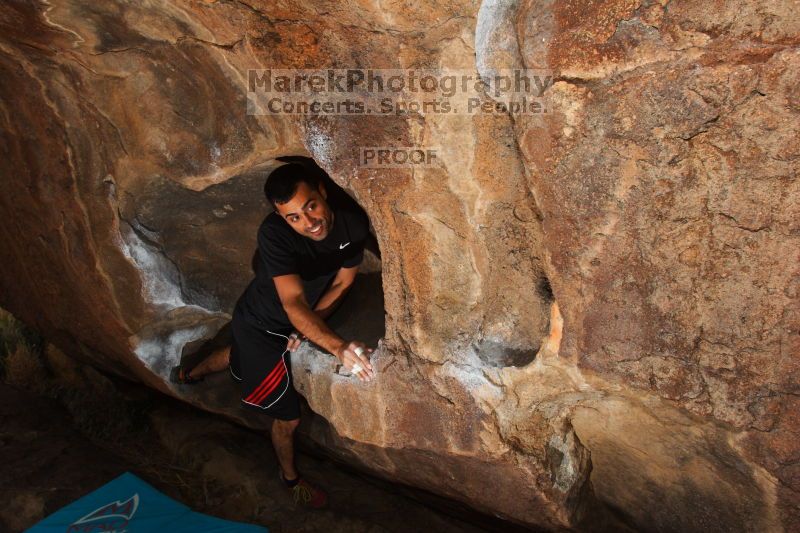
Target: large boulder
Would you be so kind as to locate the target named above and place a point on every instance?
(585, 315)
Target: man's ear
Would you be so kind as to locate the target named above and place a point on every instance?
(322, 191)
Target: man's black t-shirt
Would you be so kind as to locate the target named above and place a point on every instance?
(281, 250)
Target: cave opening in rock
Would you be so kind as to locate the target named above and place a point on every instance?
(361, 315)
(232, 262)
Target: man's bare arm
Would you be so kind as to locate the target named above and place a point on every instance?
(306, 321)
(330, 300)
(310, 324)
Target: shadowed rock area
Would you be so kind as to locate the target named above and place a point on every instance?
(68, 429)
(594, 307)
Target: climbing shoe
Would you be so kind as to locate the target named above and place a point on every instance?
(180, 375)
(305, 494)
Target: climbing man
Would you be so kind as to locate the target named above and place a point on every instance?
(309, 250)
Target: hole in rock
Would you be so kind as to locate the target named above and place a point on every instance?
(221, 258)
(497, 354)
(361, 314)
(545, 290)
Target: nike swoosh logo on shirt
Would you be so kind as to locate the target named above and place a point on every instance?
(342, 246)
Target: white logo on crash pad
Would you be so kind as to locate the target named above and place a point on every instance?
(111, 517)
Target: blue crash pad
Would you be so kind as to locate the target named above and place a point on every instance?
(129, 505)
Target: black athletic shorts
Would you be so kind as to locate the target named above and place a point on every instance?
(261, 362)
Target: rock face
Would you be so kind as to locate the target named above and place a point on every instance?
(590, 308)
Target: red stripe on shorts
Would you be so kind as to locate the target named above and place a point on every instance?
(265, 383)
(272, 386)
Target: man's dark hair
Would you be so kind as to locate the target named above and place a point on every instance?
(283, 181)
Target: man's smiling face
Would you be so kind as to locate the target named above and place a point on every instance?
(307, 212)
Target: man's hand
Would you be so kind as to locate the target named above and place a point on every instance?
(295, 340)
(356, 353)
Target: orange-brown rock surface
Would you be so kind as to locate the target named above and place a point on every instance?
(590, 308)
